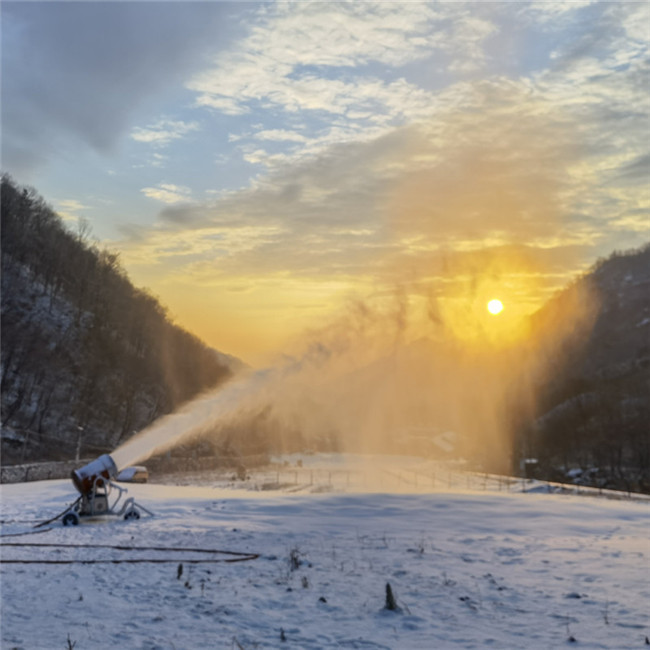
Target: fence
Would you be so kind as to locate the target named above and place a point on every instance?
(436, 477)
(433, 479)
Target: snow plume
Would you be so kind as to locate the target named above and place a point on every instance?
(398, 376)
(287, 392)
(388, 375)
(393, 371)
(170, 430)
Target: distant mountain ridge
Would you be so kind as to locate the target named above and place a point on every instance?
(87, 358)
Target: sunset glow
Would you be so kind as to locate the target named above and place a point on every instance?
(258, 166)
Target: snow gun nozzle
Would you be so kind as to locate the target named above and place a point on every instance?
(94, 474)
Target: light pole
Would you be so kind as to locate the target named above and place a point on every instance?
(78, 443)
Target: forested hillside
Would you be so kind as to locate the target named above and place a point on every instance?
(87, 358)
(593, 416)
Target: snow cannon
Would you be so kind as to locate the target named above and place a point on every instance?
(94, 482)
(94, 474)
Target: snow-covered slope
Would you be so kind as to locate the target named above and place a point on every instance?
(468, 570)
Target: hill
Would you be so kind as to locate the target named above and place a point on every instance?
(87, 358)
(593, 416)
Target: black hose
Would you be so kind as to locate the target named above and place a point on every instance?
(49, 521)
(244, 558)
(237, 556)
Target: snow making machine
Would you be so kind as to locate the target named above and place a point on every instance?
(95, 485)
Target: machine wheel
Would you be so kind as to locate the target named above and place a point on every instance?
(70, 519)
(132, 514)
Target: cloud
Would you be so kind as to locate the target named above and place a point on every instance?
(72, 204)
(604, 89)
(365, 208)
(546, 11)
(471, 31)
(168, 193)
(635, 172)
(163, 132)
(498, 165)
(638, 222)
(68, 209)
(280, 135)
(158, 160)
(78, 71)
(316, 57)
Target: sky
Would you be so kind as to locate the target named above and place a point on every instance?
(260, 166)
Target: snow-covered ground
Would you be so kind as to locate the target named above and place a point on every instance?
(469, 569)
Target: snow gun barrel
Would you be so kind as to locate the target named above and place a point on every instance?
(93, 474)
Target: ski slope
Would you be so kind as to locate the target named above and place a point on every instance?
(468, 570)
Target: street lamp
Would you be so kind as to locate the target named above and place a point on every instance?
(78, 443)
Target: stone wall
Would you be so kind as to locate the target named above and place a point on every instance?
(39, 471)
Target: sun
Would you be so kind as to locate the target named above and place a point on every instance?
(495, 307)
